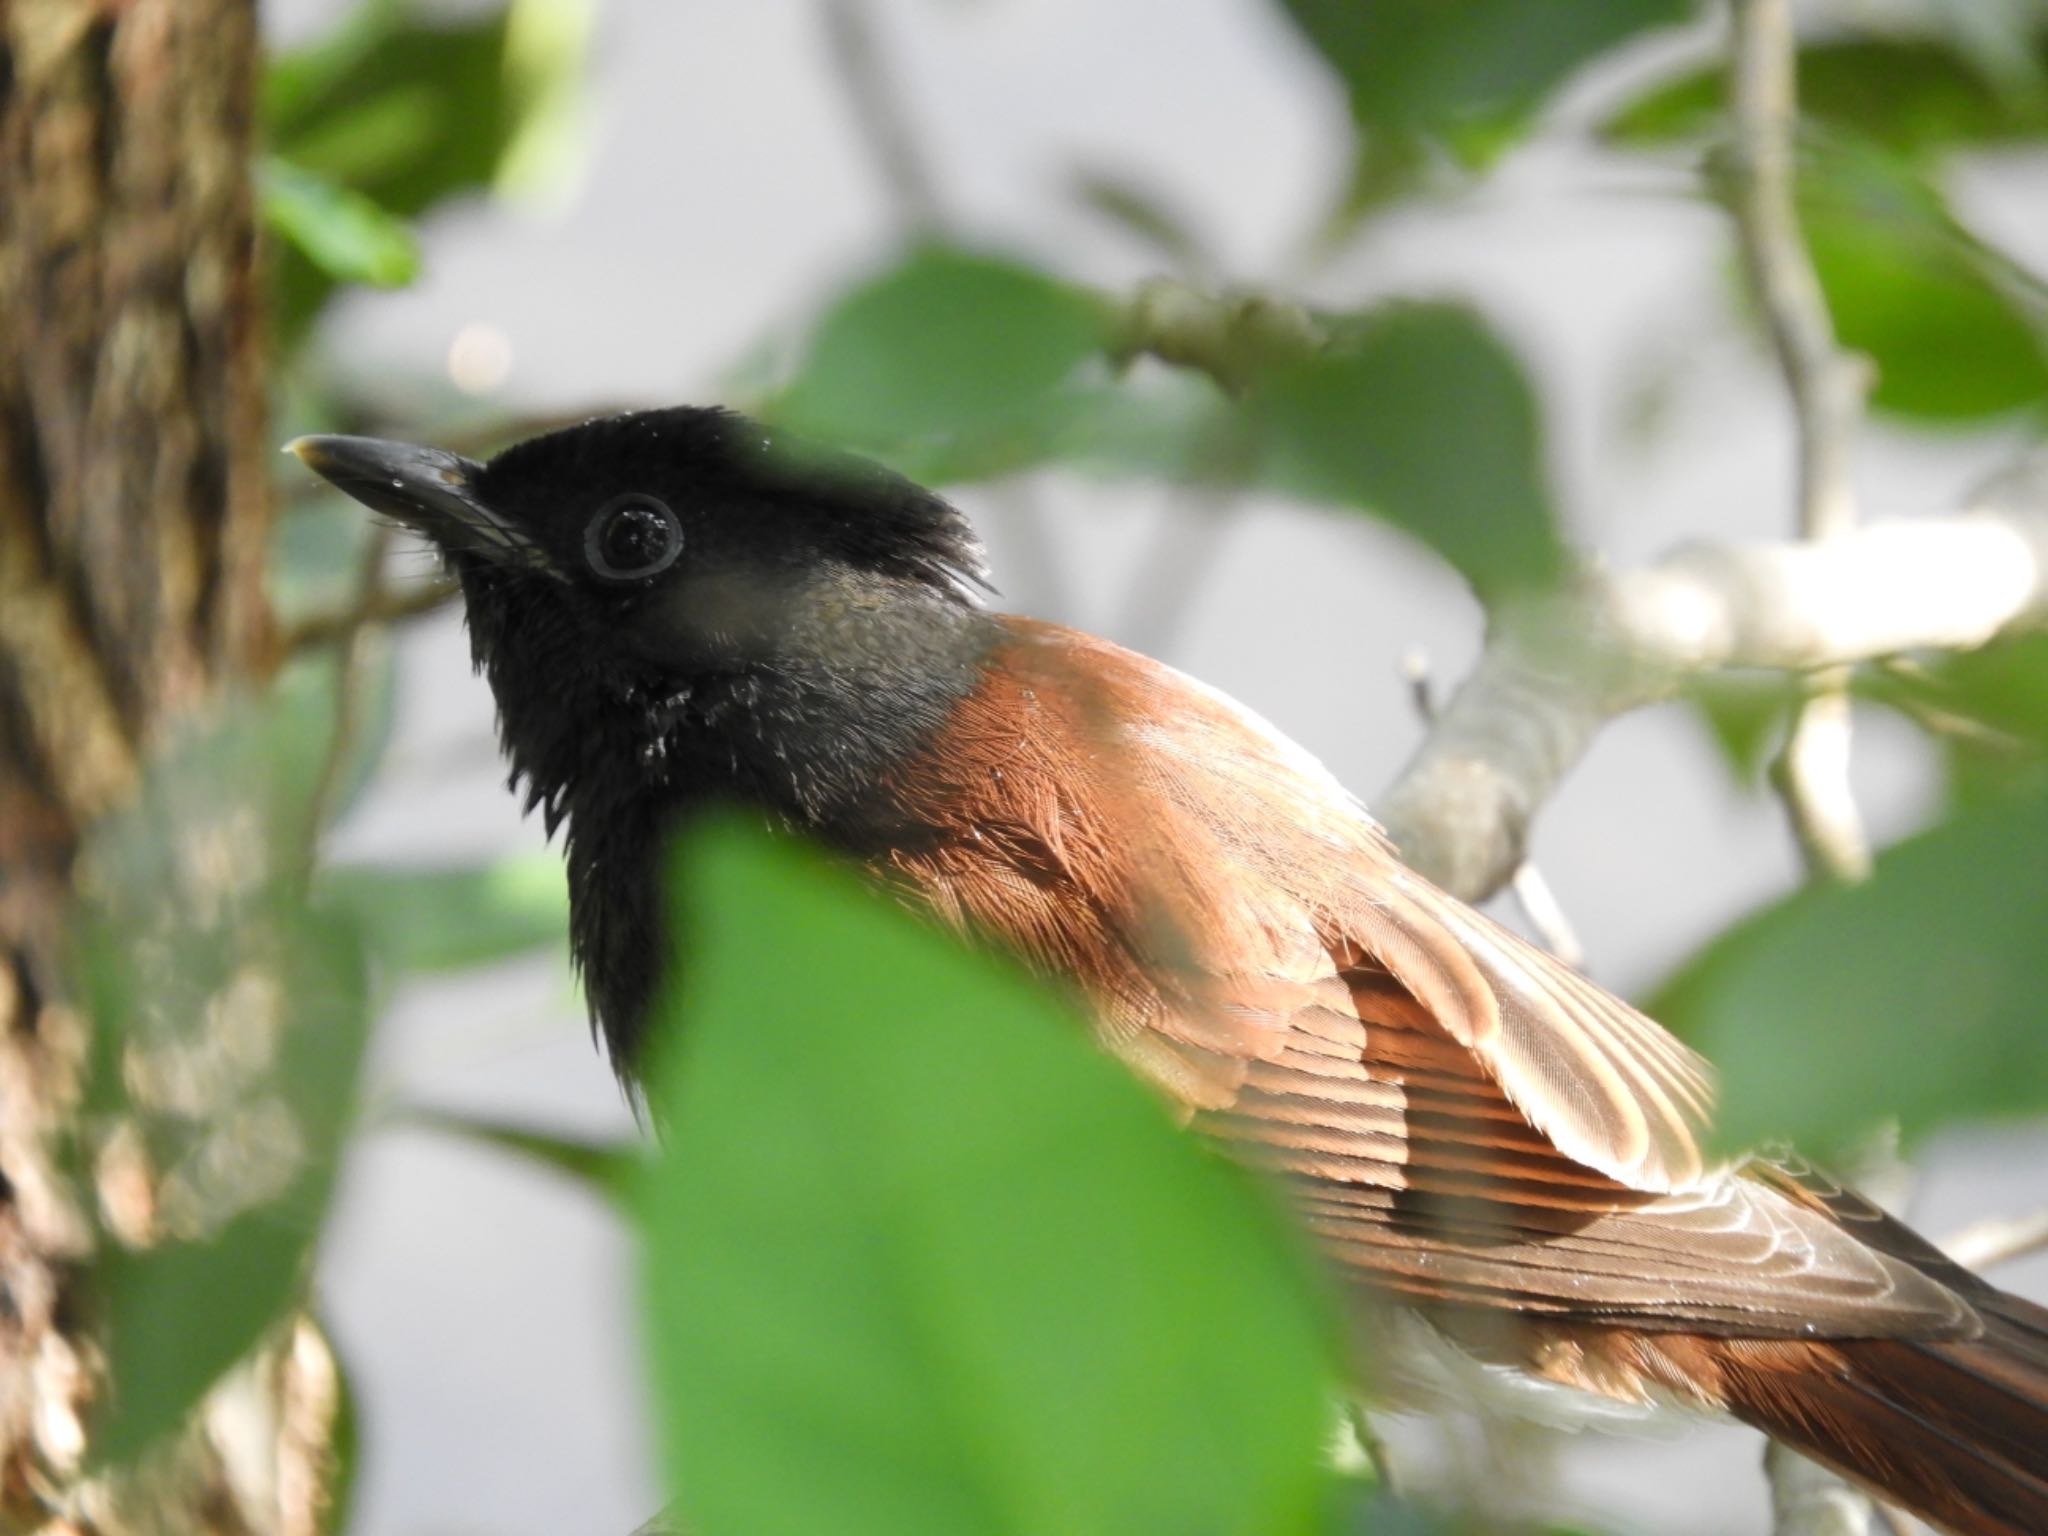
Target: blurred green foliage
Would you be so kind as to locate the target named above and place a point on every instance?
(1341, 427)
(944, 344)
(917, 1257)
(921, 1258)
(1914, 995)
(1467, 77)
(1918, 97)
(419, 921)
(1931, 971)
(396, 111)
(956, 366)
(230, 1018)
(1957, 329)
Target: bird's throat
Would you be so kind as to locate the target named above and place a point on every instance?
(811, 742)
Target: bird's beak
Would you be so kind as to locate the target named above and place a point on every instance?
(429, 489)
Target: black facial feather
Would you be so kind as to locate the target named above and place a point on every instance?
(852, 507)
(772, 624)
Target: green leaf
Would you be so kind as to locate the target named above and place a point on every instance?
(1934, 308)
(1421, 416)
(229, 1021)
(1745, 714)
(348, 237)
(179, 1314)
(2004, 684)
(605, 1168)
(1467, 74)
(1913, 96)
(405, 109)
(920, 1258)
(447, 919)
(1986, 709)
(944, 343)
(1914, 995)
(1954, 326)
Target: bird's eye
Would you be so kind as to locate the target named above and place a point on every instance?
(633, 538)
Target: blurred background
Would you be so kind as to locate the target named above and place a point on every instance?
(681, 194)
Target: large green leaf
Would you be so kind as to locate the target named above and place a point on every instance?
(229, 1021)
(1420, 415)
(443, 919)
(1916, 995)
(1940, 314)
(1914, 96)
(1466, 74)
(945, 343)
(919, 1258)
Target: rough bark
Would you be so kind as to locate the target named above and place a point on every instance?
(133, 522)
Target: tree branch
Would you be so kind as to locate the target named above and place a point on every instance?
(386, 607)
(1232, 337)
(1545, 913)
(348, 685)
(1809, 1500)
(1557, 668)
(1827, 386)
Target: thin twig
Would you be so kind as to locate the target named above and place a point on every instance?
(1373, 1446)
(874, 100)
(1811, 776)
(348, 684)
(1827, 388)
(1232, 337)
(2000, 1240)
(333, 624)
(1826, 384)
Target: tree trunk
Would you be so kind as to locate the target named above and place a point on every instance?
(134, 520)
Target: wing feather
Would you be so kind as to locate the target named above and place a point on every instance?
(1464, 1119)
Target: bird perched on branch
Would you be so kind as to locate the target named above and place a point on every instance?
(673, 607)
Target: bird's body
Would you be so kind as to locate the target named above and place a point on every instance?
(1470, 1128)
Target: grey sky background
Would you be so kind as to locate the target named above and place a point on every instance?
(485, 1309)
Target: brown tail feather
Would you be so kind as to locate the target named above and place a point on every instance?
(1956, 1431)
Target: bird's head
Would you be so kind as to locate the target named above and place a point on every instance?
(684, 588)
(679, 542)
(677, 605)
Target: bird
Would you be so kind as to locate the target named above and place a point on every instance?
(680, 607)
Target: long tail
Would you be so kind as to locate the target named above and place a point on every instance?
(1955, 1431)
